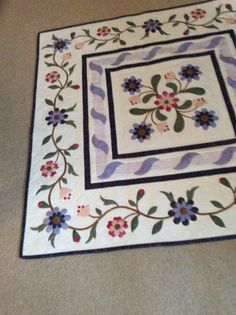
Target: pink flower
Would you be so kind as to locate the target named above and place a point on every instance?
(117, 227)
(162, 127)
(52, 77)
(199, 102)
(166, 101)
(198, 14)
(49, 169)
(83, 211)
(170, 76)
(66, 56)
(65, 193)
(79, 45)
(230, 20)
(135, 100)
(103, 31)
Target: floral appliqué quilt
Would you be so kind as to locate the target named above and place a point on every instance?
(133, 134)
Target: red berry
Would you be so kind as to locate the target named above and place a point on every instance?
(77, 239)
(222, 180)
(141, 191)
(40, 204)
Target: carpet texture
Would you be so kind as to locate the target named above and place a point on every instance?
(198, 279)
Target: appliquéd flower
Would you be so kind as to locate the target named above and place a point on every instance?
(56, 220)
(117, 227)
(230, 20)
(162, 127)
(66, 56)
(65, 193)
(152, 26)
(83, 210)
(135, 100)
(190, 73)
(183, 211)
(131, 85)
(141, 131)
(52, 77)
(103, 31)
(56, 117)
(49, 169)
(198, 14)
(205, 118)
(170, 76)
(166, 101)
(79, 45)
(61, 45)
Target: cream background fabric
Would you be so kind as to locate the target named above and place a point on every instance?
(197, 279)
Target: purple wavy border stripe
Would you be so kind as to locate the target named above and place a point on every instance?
(231, 82)
(215, 42)
(152, 53)
(99, 144)
(98, 116)
(109, 170)
(97, 91)
(120, 58)
(93, 66)
(226, 156)
(229, 60)
(146, 166)
(184, 47)
(185, 160)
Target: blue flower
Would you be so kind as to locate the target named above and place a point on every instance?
(190, 73)
(183, 211)
(152, 26)
(131, 85)
(56, 117)
(141, 131)
(56, 220)
(61, 44)
(205, 118)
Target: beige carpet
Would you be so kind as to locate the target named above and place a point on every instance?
(195, 279)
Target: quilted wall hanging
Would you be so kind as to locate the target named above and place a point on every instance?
(133, 135)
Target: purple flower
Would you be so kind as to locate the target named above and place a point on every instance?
(56, 220)
(131, 85)
(61, 44)
(183, 211)
(205, 118)
(190, 72)
(141, 131)
(56, 117)
(152, 26)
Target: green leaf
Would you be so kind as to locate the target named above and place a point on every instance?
(99, 211)
(43, 187)
(67, 153)
(108, 202)
(75, 87)
(152, 210)
(54, 87)
(47, 46)
(39, 228)
(54, 37)
(134, 223)
(46, 139)
(65, 64)
(173, 87)
(58, 139)
(194, 90)
(147, 97)
(86, 32)
(155, 81)
(224, 181)
(175, 24)
(169, 195)
(70, 122)
(115, 40)
(49, 102)
(140, 111)
(100, 44)
(229, 7)
(60, 98)
(69, 83)
(71, 170)
(217, 204)
(72, 35)
(91, 41)
(172, 17)
(64, 180)
(131, 23)
(186, 17)
(71, 109)
(92, 234)
(52, 239)
(115, 29)
(179, 123)
(122, 42)
(211, 26)
(130, 30)
(48, 55)
(159, 115)
(132, 203)
(49, 64)
(190, 193)
(157, 227)
(49, 155)
(71, 69)
(187, 104)
(218, 221)
(192, 28)
(218, 9)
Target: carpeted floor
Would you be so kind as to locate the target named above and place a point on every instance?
(195, 279)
